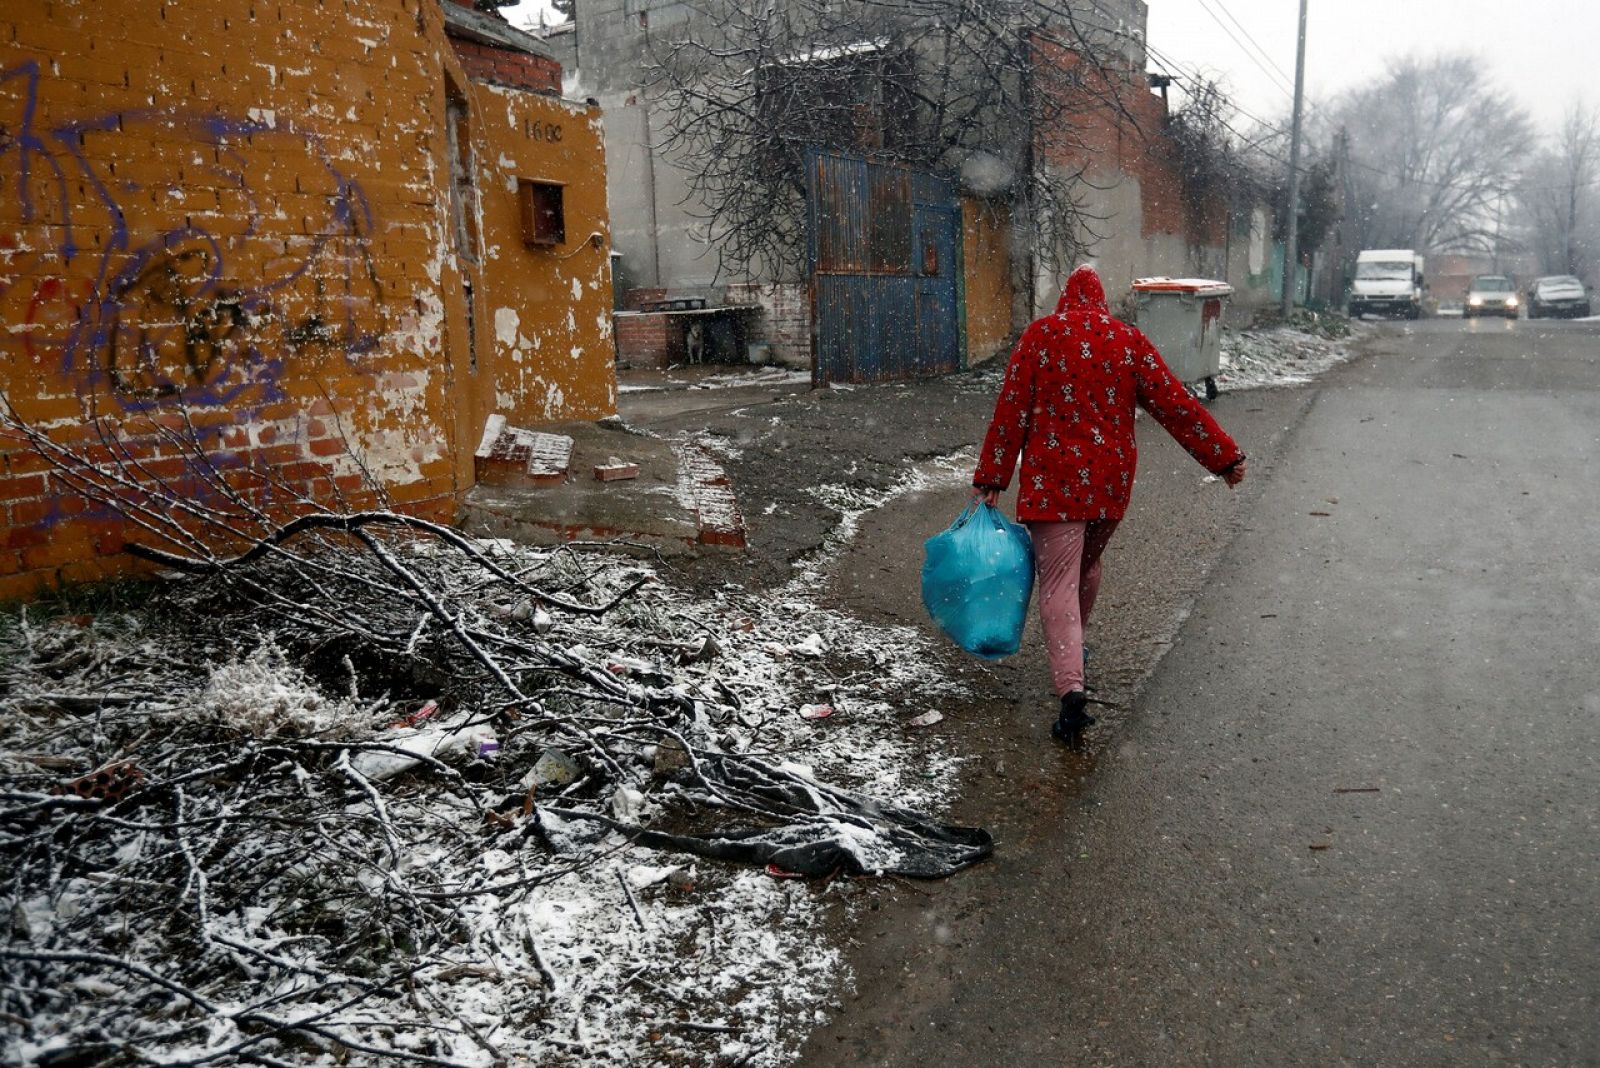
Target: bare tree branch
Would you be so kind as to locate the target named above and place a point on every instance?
(929, 84)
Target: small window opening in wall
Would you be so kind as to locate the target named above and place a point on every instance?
(463, 191)
(472, 322)
(544, 220)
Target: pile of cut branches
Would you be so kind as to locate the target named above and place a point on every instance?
(314, 786)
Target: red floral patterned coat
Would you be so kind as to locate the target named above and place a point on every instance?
(1067, 406)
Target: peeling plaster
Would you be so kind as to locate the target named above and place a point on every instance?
(506, 322)
(555, 399)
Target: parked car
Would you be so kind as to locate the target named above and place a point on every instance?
(1492, 294)
(1557, 294)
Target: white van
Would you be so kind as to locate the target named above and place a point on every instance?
(1388, 281)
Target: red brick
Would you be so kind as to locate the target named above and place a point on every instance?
(53, 553)
(97, 570)
(164, 469)
(328, 447)
(300, 471)
(12, 489)
(24, 586)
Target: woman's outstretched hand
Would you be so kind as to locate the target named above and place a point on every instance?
(1235, 474)
(988, 496)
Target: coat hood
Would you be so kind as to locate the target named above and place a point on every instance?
(1083, 292)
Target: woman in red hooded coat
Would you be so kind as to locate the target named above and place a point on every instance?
(1067, 406)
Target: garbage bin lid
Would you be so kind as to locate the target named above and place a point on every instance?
(1199, 287)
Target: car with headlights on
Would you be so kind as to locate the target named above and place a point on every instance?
(1491, 294)
(1557, 295)
(1388, 281)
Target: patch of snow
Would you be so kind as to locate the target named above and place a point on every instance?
(829, 52)
(266, 695)
(1278, 356)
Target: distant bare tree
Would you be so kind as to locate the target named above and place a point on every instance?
(1557, 197)
(934, 84)
(1434, 146)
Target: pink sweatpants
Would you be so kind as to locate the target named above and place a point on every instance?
(1066, 561)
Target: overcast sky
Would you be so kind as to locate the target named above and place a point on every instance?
(1542, 51)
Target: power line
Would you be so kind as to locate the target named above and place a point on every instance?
(1248, 54)
(1264, 53)
(1193, 75)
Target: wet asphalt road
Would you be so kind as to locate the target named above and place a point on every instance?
(1354, 815)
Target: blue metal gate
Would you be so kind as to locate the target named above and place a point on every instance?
(883, 271)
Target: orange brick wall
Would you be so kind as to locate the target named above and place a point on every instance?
(238, 215)
(1104, 141)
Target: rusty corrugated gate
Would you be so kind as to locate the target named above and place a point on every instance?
(884, 271)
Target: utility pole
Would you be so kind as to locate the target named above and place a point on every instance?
(1499, 202)
(1291, 248)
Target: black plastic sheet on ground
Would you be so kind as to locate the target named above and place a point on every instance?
(823, 829)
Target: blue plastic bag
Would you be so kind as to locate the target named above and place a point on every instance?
(977, 578)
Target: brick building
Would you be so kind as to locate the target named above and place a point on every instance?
(328, 240)
(1132, 186)
(1011, 264)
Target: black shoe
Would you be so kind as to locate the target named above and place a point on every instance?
(1069, 727)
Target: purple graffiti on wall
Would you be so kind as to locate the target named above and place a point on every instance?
(177, 256)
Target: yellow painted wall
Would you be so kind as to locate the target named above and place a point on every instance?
(239, 214)
(548, 309)
(986, 246)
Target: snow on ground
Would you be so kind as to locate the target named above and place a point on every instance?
(617, 954)
(853, 503)
(730, 378)
(1282, 355)
(766, 376)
